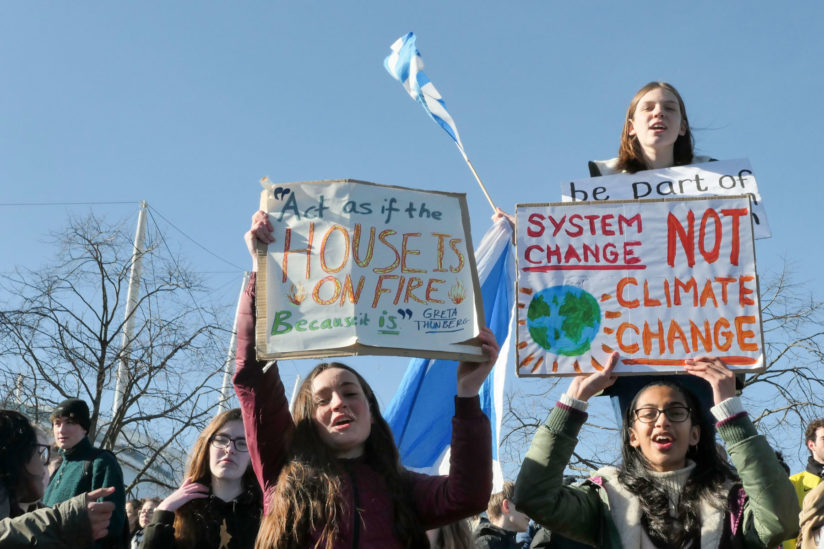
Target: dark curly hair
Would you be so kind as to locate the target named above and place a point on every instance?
(18, 442)
(707, 481)
(812, 429)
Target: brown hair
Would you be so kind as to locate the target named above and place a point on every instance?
(306, 503)
(191, 530)
(455, 535)
(630, 155)
(809, 432)
(493, 509)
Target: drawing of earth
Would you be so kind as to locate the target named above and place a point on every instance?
(563, 320)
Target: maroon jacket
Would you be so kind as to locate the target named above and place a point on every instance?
(438, 500)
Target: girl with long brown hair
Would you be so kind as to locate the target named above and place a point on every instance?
(219, 503)
(331, 472)
(656, 134)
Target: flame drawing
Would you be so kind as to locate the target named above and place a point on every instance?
(457, 293)
(296, 294)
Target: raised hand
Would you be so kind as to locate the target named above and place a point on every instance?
(471, 375)
(188, 491)
(261, 230)
(499, 213)
(716, 373)
(584, 387)
(100, 512)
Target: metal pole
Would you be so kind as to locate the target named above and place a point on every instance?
(294, 391)
(225, 388)
(131, 304)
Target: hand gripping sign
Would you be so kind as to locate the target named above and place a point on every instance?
(658, 281)
(360, 268)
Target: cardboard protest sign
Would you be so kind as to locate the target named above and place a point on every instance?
(658, 281)
(360, 268)
(722, 178)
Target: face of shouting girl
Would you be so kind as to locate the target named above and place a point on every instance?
(341, 412)
(662, 428)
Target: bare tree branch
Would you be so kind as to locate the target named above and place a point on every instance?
(62, 338)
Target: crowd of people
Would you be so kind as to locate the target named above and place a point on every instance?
(328, 475)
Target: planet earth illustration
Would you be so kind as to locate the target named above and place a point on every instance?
(563, 319)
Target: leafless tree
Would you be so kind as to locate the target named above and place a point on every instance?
(61, 332)
(781, 400)
(790, 392)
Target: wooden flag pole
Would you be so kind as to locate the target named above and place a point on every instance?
(477, 178)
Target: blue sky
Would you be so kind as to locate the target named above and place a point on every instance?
(188, 104)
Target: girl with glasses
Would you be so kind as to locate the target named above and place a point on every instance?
(219, 503)
(72, 523)
(672, 488)
(330, 469)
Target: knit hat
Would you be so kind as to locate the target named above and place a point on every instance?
(75, 409)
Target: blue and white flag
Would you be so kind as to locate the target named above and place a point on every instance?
(421, 411)
(406, 65)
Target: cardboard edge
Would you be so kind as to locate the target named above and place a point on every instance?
(267, 203)
(747, 196)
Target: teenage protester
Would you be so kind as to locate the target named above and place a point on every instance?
(69, 524)
(810, 477)
(133, 514)
(144, 516)
(505, 522)
(656, 134)
(672, 488)
(85, 468)
(218, 505)
(330, 471)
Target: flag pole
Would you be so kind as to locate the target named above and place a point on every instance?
(477, 178)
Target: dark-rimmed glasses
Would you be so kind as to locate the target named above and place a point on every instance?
(44, 451)
(223, 441)
(676, 414)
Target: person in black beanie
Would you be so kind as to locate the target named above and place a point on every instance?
(85, 468)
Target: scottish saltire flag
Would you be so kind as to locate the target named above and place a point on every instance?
(406, 65)
(421, 411)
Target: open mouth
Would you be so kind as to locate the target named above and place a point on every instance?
(340, 422)
(663, 441)
(658, 127)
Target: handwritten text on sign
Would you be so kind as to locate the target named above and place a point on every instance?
(658, 281)
(357, 265)
(722, 178)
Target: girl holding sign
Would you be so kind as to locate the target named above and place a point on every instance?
(672, 488)
(656, 134)
(330, 471)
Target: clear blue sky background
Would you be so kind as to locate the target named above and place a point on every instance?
(188, 104)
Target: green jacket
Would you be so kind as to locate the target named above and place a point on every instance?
(766, 514)
(68, 481)
(63, 526)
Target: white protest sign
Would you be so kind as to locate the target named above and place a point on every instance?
(659, 281)
(722, 178)
(360, 268)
